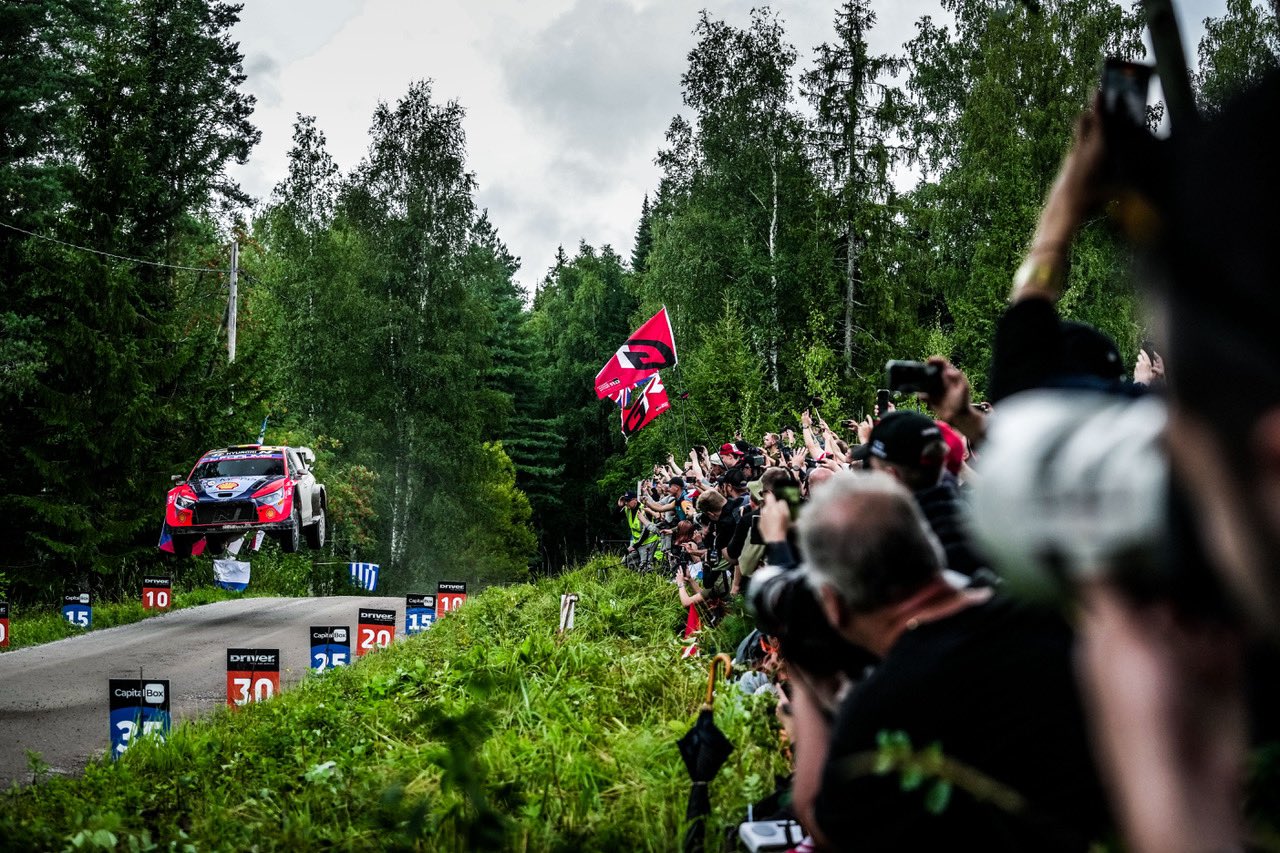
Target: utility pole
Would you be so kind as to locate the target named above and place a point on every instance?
(231, 303)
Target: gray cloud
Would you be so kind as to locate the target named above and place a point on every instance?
(263, 73)
(601, 76)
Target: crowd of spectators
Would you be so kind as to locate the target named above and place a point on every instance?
(1062, 588)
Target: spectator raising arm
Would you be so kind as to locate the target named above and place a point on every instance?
(832, 442)
(810, 443)
(953, 406)
(696, 466)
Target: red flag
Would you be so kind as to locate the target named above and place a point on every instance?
(651, 348)
(642, 403)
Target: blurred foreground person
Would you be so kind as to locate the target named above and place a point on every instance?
(1144, 510)
(988, 681)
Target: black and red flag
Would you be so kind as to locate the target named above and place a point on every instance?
(641, 403)
(651, 348)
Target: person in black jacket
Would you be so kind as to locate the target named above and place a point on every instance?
(910, 447)
(986, 681)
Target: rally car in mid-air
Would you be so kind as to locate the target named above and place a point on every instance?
(244, 489)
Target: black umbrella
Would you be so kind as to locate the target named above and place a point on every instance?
(705, 749)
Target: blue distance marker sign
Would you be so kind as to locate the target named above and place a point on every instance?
(330, 647)
(77, 608)
(139, 708)
(4, 624)
(419, 613)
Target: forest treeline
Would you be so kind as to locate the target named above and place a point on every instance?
(818, 213)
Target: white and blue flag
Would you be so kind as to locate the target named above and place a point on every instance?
(231, 574)
(365, 575)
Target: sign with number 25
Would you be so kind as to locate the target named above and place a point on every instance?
(330, 647)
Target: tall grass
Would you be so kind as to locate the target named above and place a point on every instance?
(486, 732)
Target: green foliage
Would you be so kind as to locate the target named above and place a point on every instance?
(499, 538)
(1237, 49)
(120, 120)
(580, 316)
(486, 732)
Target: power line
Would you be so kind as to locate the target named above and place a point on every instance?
(109, 254)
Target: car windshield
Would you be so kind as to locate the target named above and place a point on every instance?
(253, 466)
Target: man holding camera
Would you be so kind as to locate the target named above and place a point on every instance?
(988, 682)
(911, 448)
(1165, 673)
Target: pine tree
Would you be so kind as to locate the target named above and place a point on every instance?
(644, 237)
(856, 112)
(153, 115)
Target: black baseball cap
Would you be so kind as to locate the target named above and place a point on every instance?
(901, 438)
(628, 496)
(1087, 351)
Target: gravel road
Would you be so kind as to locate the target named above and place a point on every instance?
(53, 698)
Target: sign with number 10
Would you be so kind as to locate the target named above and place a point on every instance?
(139, 708)
(450, 595)
(77, 608)
(376, 629)
(253, 675)
(4, 624)
(419, 613)
(330, 647)
(157, 592)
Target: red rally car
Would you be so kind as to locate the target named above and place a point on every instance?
(246, 488)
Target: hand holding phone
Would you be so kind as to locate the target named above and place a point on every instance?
(1124, 91)
(882, 403)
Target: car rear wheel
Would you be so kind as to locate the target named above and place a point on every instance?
(291, 537)
(316, 531)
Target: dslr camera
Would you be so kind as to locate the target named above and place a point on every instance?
(1077, 487)
(785, 606)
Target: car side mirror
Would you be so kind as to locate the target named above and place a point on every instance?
(177, 478)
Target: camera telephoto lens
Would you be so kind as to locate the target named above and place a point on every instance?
(785, 607)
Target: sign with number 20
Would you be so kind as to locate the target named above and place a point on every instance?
(375, 630)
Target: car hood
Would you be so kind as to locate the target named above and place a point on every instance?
(229, 488)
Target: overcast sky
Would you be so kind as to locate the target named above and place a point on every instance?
(566, 100)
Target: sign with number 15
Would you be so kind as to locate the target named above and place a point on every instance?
(77, 608)
(419, 613)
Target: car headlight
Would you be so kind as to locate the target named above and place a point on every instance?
(183, 502)
(273, 496)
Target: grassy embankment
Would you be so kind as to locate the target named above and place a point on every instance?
(487, 732)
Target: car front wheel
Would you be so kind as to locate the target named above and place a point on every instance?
(291, 536)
